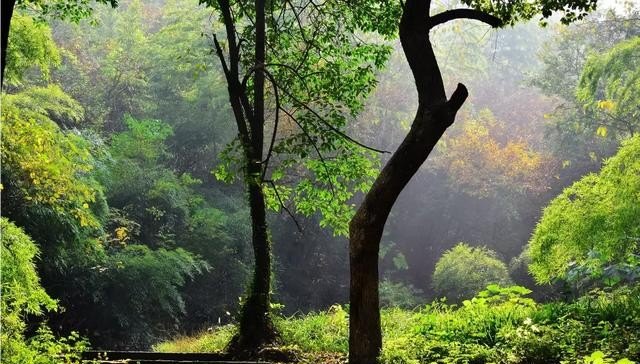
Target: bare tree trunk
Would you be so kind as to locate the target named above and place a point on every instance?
(365, 232)
(435, 114)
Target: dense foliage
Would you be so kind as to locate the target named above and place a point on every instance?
(594, 222)
(584, 127)
(23, 296)
(500, 325)
(121, 185)
(70, 193)
(609, 82)
(30, 44)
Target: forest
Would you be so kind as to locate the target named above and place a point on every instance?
(321, 181)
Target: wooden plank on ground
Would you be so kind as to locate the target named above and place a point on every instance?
(149, 357)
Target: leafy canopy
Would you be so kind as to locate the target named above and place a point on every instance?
(610, 82)
(512, 12)
(479, 164)
(42, 164)
(594, 222)
(30, 44)
(62, 9)
(319, 72)
(383, 16)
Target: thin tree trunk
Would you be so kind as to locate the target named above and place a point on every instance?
(255, 327)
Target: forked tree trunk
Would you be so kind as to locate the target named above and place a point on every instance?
(435, 114)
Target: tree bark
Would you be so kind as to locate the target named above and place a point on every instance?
(434, 115)
(366, 227)
(256, 328)
(7, 14)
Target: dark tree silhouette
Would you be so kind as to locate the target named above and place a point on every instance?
(5, 19)
(434, 115)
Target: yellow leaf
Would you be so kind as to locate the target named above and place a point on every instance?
(607, 105)
(121, 233)
(602, 131)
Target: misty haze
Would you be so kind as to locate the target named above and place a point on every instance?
(307, 181)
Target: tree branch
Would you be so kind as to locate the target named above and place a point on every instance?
(313, 143)
(275, 125)
(472, 14)
(284, 207)
(458, 98)
(223, 62)
(328, 124)
(235, 95)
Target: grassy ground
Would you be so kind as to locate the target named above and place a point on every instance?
(498, 326)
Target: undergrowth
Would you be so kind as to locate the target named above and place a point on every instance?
(499, 325)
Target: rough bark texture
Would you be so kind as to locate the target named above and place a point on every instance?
(7, 14)
(256, 330)
(434, 115)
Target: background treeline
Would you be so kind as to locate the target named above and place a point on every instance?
(112, 128)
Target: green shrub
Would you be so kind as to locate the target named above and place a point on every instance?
(214, 340)
(598, 357)
(598, 321)
(317, 332)
(21, 296)
(463, 271)
(136, 292)
(532, 343)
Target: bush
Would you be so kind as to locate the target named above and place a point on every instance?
(317, 332)
(214, 340)
(133, 295)
(399, 295)
(463, 271)
(21, 296)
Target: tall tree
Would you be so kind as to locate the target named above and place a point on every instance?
(582, 136)
(256, 327)
(318, 73)
(435, 114)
